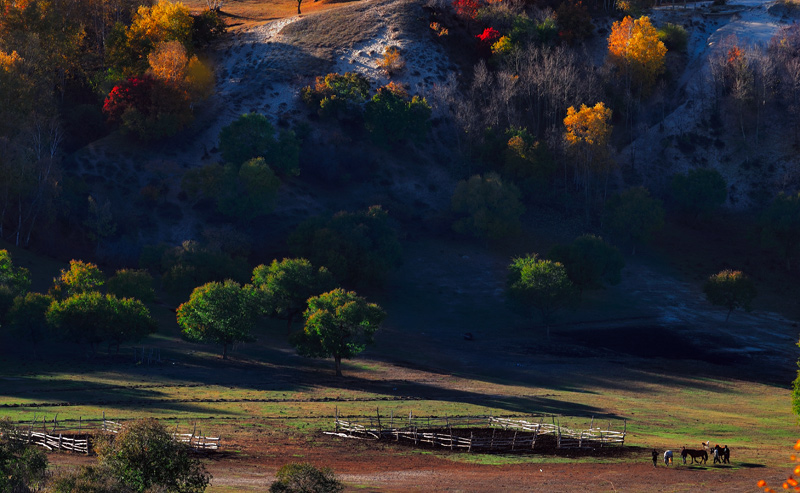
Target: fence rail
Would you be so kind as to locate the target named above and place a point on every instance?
(484, 432)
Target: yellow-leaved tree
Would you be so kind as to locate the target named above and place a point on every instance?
(586, 133)
(634, 48)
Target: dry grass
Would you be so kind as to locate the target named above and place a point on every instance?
(248, 13)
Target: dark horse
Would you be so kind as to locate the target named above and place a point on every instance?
(694, 454)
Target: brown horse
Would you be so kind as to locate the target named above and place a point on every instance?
(700, 455)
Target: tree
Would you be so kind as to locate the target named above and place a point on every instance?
(305, 478)
(165, 21)
(93, 318)
(219, 313)
(700, 192)
(253, 136)
(731, 289)
(28, 317)
(527, 160)
(391, 116)
(146, 457)
(589, 262)
(634, 215)
(359, 248)
(489, 207)
(635, 49)
(81, 277)
(339, 324)
(541, 284)
(337, 96)
(131, 283)
(289, 284)
(14, 282)
(586, 133)
(298, 6)
(780, 226)
(248, 193)
(22, 467)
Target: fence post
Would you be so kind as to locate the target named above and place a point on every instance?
(59, 441)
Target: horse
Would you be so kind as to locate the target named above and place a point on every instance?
(668, 457)
(700, 455)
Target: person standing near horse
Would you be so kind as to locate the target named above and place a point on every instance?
(717, 454)
(726, 455)
(668, 457)
(655, 458)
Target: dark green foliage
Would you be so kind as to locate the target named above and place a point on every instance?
(337, 96)
(780, 226)
(22, 467)
(540, 284)
(527, 161)
(339, 324)
(131, 283)
(253, 136)
(191, 264)
(88, 479)
(288, 284)
(248, 193)
(674, 37)
(489, 207)
(730, 289)
(7, 296)
(359, 248)
(93, 318)
(390, 116)
(220, 313)
(700, 192)
(144, 455)
(28, 317)
(305, 478)
(796, 393)
(207, 27)
(633, 215)
(589, 262)
(17, 279)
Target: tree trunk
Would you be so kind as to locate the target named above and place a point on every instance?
(298, 6)
(338, 360)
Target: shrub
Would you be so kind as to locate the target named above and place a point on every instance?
(22, 467)
(574, 22)
(392, 62)
(305, 478)
(337, 96)
(489, 207)
(253, 136)
(130, 283)
(391, 116)
(144, 455)
(207, 26)
(674, 37)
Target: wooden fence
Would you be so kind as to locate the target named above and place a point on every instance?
(479, 432)
(52, 442)
(196, 440)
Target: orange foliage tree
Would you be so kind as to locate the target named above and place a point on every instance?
(634, 47)
(586, 134)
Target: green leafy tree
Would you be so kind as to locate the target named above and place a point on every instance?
(145, 457)
(22, 467)
(14, 281)
(589, 262)
(339, 324)
(132, 283)
(289, 284)
(81, 277)
(219, 313)
(526, 160)
(731, 289)
(248, 193)
(337, 96)
(489, 207)
(253, 136)
(92, 317)
(780, 227)
(540, 284)
(391, 116)
(359, 248)
(634, 215)
(305, 478)
(700, 192)
(28, 317)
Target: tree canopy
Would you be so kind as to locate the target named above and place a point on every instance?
(635, 47)
(780, 226)
(699, 192)
(339, 324)
(541, 284)
(589, 262)
(731, 289)
(489, 207)
(219, 313)
(305, 478)
(289, 284)
(634, 215)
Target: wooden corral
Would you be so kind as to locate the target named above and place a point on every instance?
(480, 433)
